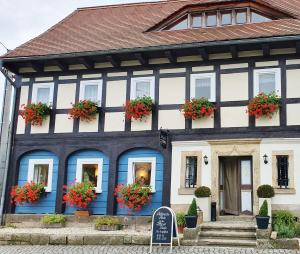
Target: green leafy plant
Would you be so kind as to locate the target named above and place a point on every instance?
(180, 219)
(109, 221)
(193, 209)
(202, 192)
(285, 224)
(50, 219)
(198, 108)
(265, 191)
(263, 211)
(297, 229)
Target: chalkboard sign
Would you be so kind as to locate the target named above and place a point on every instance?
(164, 227)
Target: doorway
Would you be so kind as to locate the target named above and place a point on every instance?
(236, 185)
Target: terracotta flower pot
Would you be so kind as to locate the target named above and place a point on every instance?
(82, 213)
(180, 229)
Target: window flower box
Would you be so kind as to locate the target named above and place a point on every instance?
(264, 105)
(107, 224)
(85, 110)
(139, 108)
(53, 221)
(198, 108)
(35, 113)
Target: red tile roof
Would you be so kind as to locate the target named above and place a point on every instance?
(116, 27)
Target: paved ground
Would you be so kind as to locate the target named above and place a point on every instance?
(131, 250)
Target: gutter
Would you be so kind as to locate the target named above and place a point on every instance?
(152, 48)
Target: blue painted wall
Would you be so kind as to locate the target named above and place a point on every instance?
(47, 203)
(122, 178)
(99, 205)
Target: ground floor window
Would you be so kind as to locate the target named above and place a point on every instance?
(40, 171)
(191, 172)
(142, 171)
(282, 171)
(90, 170)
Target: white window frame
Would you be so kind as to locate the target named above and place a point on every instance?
(131, 173)
(35, 88)
(277, 73)
(79, 170)
(134, 81)
(98, 82)
(30, 174)
(212, 77)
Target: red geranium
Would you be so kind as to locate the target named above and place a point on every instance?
(85, 110)
(264, 105)
(35, 113)
(79, 194)
(138, 108)
(198, 108)
(29, 193)
(133, 196)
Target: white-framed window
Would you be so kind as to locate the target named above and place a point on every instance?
(91, 90)
(142, 171)
(42, 92)
(90, 170)
(41, 171)
(142, 86)
(267, 81)
(203, 85)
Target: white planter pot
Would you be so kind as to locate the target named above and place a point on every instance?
(205, 206)
(269, 201)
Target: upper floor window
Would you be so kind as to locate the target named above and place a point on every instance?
(141, 87)
(42, 92)
(91, 90)
(203, 85)
(40, 171)
(267, 81)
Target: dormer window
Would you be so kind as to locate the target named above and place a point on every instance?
(211, 19)
(226, 18)
(241, 16)
(257, 18)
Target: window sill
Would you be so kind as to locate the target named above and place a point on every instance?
(186, 191)
(285, 191)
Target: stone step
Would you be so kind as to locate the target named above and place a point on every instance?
(233, 226)
(226, 242)
(242, 218)
(227, 234)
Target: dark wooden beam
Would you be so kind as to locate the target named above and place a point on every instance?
(113, 60)
(298, 47)
(204, 54)
(87, 63)
(266, 49)
(142, 59)
(38, 67)
(171, 56)
(63, 66)
(234, 51)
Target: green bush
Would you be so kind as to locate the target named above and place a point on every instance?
(193, 209)
(285, 224)
(54, 219)
(202, 192)
(106, 221)
(265, 191)
(263, 211)
(180, 219)
(297, 230)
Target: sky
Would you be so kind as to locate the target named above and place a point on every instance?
(22, 20)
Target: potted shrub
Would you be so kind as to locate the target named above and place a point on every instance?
(35, 113)
(107, 224)
(31, 192)
(85, 110)
(133, 196)
(265, 192)
(203, 195)
(180, 222)
(198, 108)
(53, 221)
(264, 105)
(80, 195)
(192, 215)
(138, 109)
(262, 219)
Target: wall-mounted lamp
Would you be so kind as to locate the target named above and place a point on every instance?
(205, 158)
(265, 159)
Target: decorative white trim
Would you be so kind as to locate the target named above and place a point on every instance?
(146, 79)
(277, 73)
(30, 173)
(97, 82)
(212, 77)
(99, 162)
(131, 173)
(42, 85)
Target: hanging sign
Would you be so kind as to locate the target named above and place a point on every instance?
(164, 227)
(163, 138)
